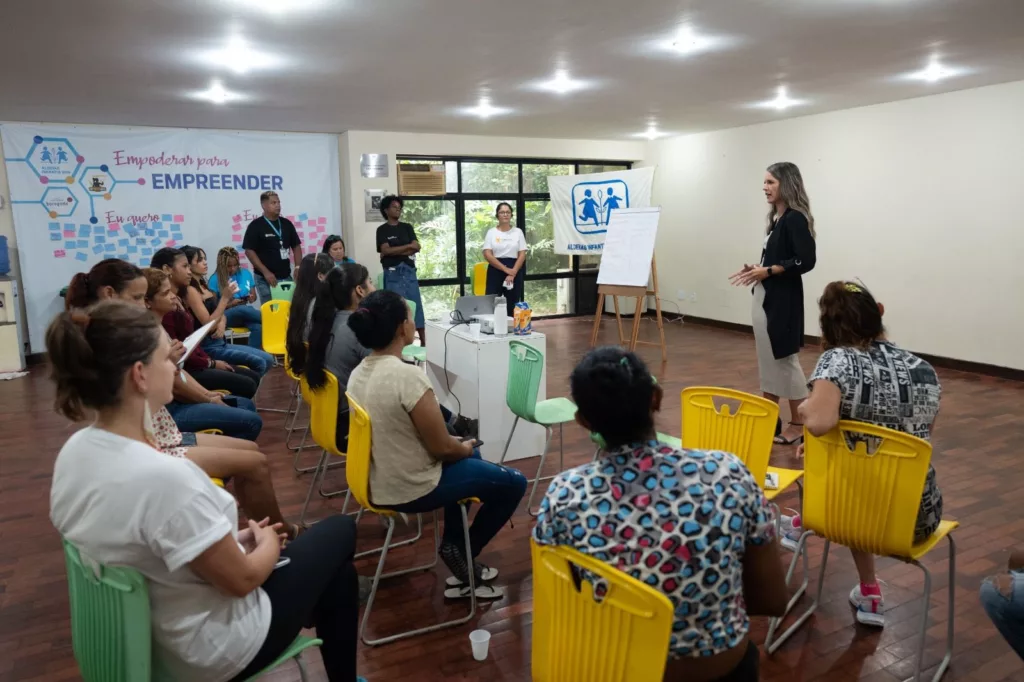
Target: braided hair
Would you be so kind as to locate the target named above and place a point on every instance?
(614, 392)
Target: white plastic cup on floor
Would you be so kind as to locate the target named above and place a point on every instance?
(474, 330)
(480, 639)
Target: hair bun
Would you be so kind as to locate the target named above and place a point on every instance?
(81, 319)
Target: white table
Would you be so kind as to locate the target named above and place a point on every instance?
(476, 373)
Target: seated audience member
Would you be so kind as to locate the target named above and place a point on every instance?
(240, 312)
(334, 246)
(219, 610)
(312, 271)
(333, 346)
(417, 465)
(110, 278)
(692, 524)
(861, 376)
(197, 407)
(1003, 599)
(206, 307)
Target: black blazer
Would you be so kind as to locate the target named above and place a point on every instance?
(790, 245)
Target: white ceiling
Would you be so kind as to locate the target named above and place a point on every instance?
(406, 64)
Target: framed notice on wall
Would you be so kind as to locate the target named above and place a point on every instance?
(371, 199)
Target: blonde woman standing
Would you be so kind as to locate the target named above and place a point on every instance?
(778, 291)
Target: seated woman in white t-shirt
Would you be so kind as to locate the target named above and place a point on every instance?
(505, 253)
(219, 609)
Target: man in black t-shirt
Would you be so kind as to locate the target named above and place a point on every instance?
(397, 246)
(268, 242)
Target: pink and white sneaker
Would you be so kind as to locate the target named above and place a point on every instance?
(867, 599)
(790, 530)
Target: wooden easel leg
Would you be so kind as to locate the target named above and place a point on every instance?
(618, 320)
(661, 329)
(597, 320)
(636, 323)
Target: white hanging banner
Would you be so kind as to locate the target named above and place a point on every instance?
(582, 205)
(84, 193)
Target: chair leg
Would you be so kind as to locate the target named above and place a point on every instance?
(771, 643)
(278, 409)
(319, 472)
(509, 441)
(540, 470)
(408, 541)
(924, 617)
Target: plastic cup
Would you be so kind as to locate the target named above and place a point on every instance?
(474, 330)
(480, 640)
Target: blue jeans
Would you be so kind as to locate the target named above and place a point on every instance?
(259, 361)
(402, 280)
(263, 289)
(250, 318)
(498, 489)
(237, 422)
(1006, 610)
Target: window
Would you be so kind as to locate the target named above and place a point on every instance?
(535, 176)
(490, 178)
(434, 221)
(540, 240)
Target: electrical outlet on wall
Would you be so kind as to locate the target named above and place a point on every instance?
(681, 295)
(693, 297)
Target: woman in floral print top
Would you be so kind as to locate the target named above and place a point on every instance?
(692, 524)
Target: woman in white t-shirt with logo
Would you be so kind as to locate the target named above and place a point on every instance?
(505, 253)
(219, 609)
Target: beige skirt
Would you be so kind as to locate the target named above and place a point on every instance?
(785, 377)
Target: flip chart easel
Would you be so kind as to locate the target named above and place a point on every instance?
(629, 246)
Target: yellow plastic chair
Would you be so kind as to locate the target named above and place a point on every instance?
(233, 333)
(869, 502)
(323, 425)
(478, 279)
(357, 471)
(623, 637)
(275, 326)
(292, 418)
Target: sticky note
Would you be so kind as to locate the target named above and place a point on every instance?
(141, 241)
(56, 226)
(303, 217)
(132, 232)
(155, 241)
(69, 245)
(298, 224)
(291, 218)
(100, 239)
(84, 231)
(236, 237)
(97, 249)
(122, 242)
(69, 233)
(322, 221)
(55, 236)
(175, 226)
(67, 226)
(141, 226)
(237, 218)
(111, 247)
(164, 233)
(83, 243)
(179, 218)
(170, 242)
(81, 256)
(166, 217)
(146, 251)
(59, 253)
(113, 226)
(237, 227)
(133, 249)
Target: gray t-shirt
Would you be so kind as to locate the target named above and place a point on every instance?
(344, 351)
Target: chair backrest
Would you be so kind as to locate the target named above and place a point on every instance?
(748, 433)
(478, 279)
(378, 281)
(623, 637)
(110, 630)
(282, 292)
(323, 412)
(274, 316)
(863, 500)
(360, 444)
(412, 309)
(525, 367)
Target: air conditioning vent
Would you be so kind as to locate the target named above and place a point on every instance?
(420, 180)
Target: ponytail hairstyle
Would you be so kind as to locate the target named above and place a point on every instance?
(165, 257)
(378, 318)
(155, 279)
(313, 265)
(191, 253)
(112, 272)
(613, 392)
(791, 191)
(90, 352)
(226, 258)
(333, 294)
(850, 316)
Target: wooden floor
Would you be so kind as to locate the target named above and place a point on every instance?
(978, 450)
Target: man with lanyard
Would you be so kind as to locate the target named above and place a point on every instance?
(397, 246)
(267, 243)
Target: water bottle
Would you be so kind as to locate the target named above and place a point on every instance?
(500, 316)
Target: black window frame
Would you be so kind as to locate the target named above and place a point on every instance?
(517, 199)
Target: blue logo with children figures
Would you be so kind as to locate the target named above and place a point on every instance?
(594, 203)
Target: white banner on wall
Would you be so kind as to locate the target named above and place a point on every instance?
(581, 205)
(84, 193)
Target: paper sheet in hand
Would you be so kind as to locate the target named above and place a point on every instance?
(193, 341)
(629, 247)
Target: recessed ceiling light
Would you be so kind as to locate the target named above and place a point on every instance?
(240, 57)
(781, 102)
(280, 7)
(562, 83)
(484, 109)
(218, 94)
(652, 133)
(936, 71)
(688, 41)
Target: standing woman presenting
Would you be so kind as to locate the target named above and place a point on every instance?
(505, 253)
(778, 305)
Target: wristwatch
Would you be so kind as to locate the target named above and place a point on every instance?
(770, 271)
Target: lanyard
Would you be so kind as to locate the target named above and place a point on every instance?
(276, 229)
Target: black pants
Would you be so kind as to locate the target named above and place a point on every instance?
(496, 285)
(242, 381)
(318, 588)
(747, 669)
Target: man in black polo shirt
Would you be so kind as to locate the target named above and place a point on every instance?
(268, 242)
(397, 246)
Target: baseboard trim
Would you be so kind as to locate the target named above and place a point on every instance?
(936, 360)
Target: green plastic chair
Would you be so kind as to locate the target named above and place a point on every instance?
(282, 292)
(417, 354)
(525, 366)
(110, 624)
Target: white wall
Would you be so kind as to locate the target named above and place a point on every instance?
(360, 235)
(916, 198)
(7, 230)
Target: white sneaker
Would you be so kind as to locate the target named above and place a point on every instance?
(869, 607)
(791, 529)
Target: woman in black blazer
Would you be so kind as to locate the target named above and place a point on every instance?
(778, 305)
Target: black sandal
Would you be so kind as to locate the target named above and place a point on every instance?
(782, 440)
